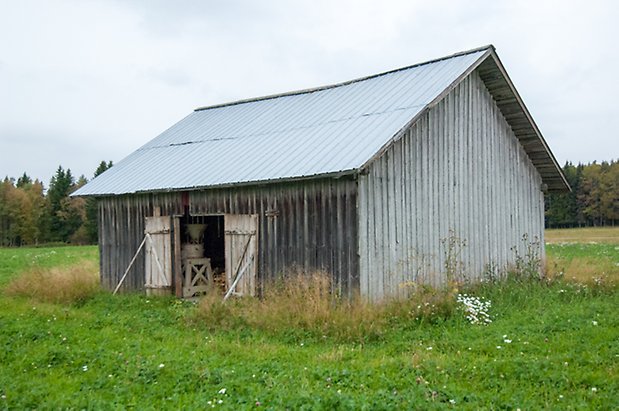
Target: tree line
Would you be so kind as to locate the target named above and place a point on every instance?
(594, 200)
(30, 214)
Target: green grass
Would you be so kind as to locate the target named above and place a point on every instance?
(14, 260)
(132, 351)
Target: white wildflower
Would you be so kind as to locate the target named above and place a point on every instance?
(475, 309)
(507, 341)
(85, 368)
(593, 389)
(594, 322)
(222, 391)
(161, 365)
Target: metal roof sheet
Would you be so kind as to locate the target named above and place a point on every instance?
(322, 131)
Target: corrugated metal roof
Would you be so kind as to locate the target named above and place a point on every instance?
(322, 131)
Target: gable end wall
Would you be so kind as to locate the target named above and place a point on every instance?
(459, 172)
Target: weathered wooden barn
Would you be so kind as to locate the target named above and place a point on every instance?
(364, 180)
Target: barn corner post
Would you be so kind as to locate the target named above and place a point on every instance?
(104, 277)
(176, 244)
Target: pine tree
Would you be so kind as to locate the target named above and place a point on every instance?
(65, 217)
(91, 221)
(562, 208)
(23, 181)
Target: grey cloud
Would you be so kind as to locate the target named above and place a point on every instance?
(133, 68)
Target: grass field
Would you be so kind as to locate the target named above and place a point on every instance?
(551, 344)
(583, 235)
(584, 254)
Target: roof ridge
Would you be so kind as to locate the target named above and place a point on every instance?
(345, 83)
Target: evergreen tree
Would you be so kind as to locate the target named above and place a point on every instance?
(562, 209)
(23, 181)
(594, 199)
(103, 166)
(6, 222)
(91, 220)
(65, 218)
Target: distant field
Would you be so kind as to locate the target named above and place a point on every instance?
(584, 254)
(551, 345)
(15, 260)
(583, 235)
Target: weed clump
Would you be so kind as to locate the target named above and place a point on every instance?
(305, 305)
(528, 265)
(64, 285)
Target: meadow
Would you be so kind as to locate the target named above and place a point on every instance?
(551, 343)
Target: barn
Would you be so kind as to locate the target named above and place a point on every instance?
(377, 181)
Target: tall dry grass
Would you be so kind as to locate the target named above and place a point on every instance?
(582, 235)
(585, 270)
(305, 304)
(64, 285)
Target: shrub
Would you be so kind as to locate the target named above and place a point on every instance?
(66, 285)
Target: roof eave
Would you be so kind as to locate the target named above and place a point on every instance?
(555, 180)
(334, 175)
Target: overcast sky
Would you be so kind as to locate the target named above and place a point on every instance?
(85, 81)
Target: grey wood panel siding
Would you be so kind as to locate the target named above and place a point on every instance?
(307, 225)
(459, 169)
(303, 226)
(121, 230)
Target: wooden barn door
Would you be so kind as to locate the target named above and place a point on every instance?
(241, 243)
(158, 263)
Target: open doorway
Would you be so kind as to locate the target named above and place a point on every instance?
(214, 249)
(202, 254)
(218, 252)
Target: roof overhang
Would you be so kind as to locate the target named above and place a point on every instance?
(509, 102)
(517, 115)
